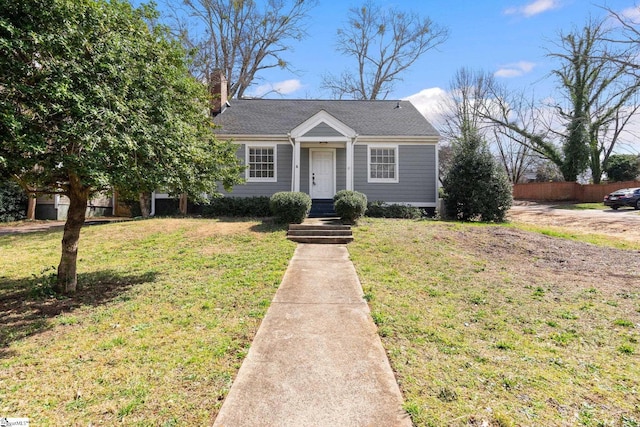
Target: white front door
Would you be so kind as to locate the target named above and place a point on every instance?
(322, 174)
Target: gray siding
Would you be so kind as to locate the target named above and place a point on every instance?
(283, 175)
(417, 176)
(323, 129)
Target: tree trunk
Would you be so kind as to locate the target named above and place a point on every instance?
(183, 204)
(31, 207)
(67, 275)
(145, 205)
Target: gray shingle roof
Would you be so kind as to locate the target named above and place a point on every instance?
(280, 116)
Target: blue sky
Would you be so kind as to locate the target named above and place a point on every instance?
(505, 37)
(509, 38)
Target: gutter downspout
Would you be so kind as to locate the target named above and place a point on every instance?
(153, 204)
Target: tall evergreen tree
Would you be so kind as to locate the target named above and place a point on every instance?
(476, 188)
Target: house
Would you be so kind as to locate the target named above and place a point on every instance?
(384, 149)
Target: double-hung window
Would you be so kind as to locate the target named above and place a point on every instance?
(261, 162)
(383, 164)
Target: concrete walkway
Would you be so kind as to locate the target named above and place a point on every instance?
(317, 359)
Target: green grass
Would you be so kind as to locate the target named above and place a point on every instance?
(478, 331)
(583, 206)
(166, 315)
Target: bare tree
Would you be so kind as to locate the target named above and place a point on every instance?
(472, 96)
(384, 43)
(468, 94)
(238, 37)
(601, 94)
(599, 97)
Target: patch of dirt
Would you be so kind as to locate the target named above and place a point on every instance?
(554, 255)
(623, 224)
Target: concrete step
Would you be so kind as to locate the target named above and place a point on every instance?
(319, 232)
(327, 233)
(319, 227)
(322, 208)
(334, 240)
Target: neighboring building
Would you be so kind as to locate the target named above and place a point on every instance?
(384, 149)
(56, 206)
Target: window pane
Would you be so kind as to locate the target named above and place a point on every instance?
(382, 163)
(261, 162)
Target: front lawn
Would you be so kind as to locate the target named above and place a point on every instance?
(483, 325)
(498, 326)
(167, 314)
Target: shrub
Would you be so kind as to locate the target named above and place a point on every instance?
(476, 188)
(379, 209)
(13, 202)
(341, 194)
(238, 207)
(350, 205)
(290, 207)
(622, 167)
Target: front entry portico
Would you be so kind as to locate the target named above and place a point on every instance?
(323, 135)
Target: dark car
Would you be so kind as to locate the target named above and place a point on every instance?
(624, 197)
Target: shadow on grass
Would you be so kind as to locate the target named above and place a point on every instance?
(27, 305)
(269, 226)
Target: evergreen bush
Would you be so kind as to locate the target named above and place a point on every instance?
(13, 202)
(350, 205)
(290, 207)
(476, 188)
(622, 167)
(256, 207)
(378, 209)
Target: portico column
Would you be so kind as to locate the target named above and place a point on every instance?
(349, 149)
(296, 165)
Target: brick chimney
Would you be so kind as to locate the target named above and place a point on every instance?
(218, 88)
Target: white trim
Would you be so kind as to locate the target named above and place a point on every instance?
(333, 154)
(153, 204)
(340, 144)
(349, 159)
(396, 177)
(402, 140)
(414, 204)
(248, 147)
(322, 117)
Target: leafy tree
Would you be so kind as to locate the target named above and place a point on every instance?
(13, 201)
(238, 37)
(93, 98)
(476, 188)
(384, 43)
(623, 167)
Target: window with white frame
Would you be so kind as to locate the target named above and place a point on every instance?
(261, 162)
(383, 164)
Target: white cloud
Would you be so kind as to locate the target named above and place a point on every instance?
(282, 88)
(631, 13)
(429, 102)
(516, 69)
(534, 8)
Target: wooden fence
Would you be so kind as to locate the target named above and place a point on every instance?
(567, 191)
